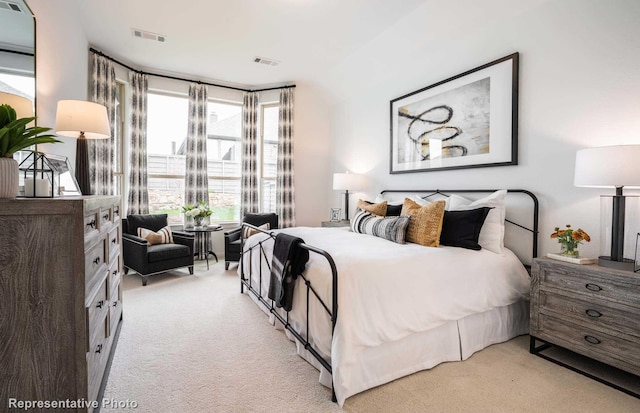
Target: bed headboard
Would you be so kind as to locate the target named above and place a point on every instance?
(521, 216)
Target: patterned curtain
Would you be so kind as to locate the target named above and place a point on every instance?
(138, 200)
(249, 176)
(101, 151)
(285, 205)
(196, 182)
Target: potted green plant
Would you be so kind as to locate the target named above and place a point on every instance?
(16, 136)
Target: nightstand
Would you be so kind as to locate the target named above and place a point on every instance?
(587, 309)
(341, 223)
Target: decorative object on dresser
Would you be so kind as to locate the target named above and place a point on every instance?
(569, 240)
(346, 181)
(60, 296)
(82, 120)
(467, 121)
(146, 259)
(594, 169)
(590, 310)
(16, 134)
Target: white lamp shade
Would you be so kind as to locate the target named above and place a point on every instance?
(347, 181)
(608, 166)
(22, 105)
(75, 116)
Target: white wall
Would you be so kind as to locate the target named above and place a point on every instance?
(579, 87)
(61, 64)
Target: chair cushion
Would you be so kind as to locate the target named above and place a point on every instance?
(163, 252)
(149, 221)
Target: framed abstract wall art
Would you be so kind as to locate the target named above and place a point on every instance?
(467, 121)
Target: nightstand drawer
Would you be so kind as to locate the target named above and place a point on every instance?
(597, 314)
(588, 284)
(620, 351)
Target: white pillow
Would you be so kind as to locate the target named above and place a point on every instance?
(492, 232)
(163, 236)
(415, 198)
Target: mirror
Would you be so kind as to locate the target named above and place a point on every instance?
(17, 49)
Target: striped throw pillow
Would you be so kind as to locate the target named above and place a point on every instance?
(390, 228)
(163, 236)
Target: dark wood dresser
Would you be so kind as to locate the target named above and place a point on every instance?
(588, 309)
(60, 296)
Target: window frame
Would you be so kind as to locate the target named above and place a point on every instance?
(261, 170)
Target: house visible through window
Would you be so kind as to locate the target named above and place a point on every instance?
(167, 123)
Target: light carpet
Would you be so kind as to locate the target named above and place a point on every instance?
(193, 343)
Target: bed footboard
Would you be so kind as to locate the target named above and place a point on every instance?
(332, 310)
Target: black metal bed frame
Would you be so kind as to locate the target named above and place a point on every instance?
(333, 311)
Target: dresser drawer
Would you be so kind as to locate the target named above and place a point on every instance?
(601, 315)
(620, 351)
(116, 213)
(106, 217)
(94, 265)
(113, 241)
(97, 357)
(115, 308)
(589, 284)
(96, 312)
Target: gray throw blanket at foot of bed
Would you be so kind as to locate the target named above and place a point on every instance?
(288, 261)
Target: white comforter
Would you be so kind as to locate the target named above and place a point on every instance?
(389, 291)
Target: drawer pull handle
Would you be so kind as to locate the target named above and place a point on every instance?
(593, 287)
(105, 217)
(99, 348)
(113, 241)
(592, 340)
(114, 272)
(100, 304)
(593, 313)
(96, 260)
(115, 303)
(92, 224)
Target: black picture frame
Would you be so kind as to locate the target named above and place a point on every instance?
(466, 121)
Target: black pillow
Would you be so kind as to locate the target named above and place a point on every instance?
(392, 210)
(462, 228)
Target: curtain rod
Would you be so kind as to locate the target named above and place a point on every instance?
(142, 72)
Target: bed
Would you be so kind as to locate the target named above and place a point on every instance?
(367, 311)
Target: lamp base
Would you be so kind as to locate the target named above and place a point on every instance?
(624, 265)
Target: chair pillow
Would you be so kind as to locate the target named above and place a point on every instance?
(150, 221)
(248, 231)
(162, 236)
(462, 228)
(426, 222)
(390, 228)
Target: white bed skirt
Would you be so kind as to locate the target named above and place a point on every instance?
(452, 341)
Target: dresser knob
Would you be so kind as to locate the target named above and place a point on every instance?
(92, 224)
(115, 303)
(593, 287)
(96, 261)
(115, 272)
(593, 313)
(99, 348)
(100, 304)
(592, 340)
(113, 241)
(105, 217)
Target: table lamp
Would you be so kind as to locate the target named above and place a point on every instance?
(611, 167)
(82, 120)
(346, 181)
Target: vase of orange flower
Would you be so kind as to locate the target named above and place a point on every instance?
(570, 239)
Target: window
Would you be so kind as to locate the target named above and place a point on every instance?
(166, 147)
(269, 150)
(224, 156)
(167, 123)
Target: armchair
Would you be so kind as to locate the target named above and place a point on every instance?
(232, 238)
(147, 259)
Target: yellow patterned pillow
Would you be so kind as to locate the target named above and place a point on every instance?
(376, 209)
(426, 222)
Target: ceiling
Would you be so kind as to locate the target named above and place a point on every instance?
(218, 40)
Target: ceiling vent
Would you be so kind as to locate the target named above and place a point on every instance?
(148, 35)
(265, 61)
(6, 5)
